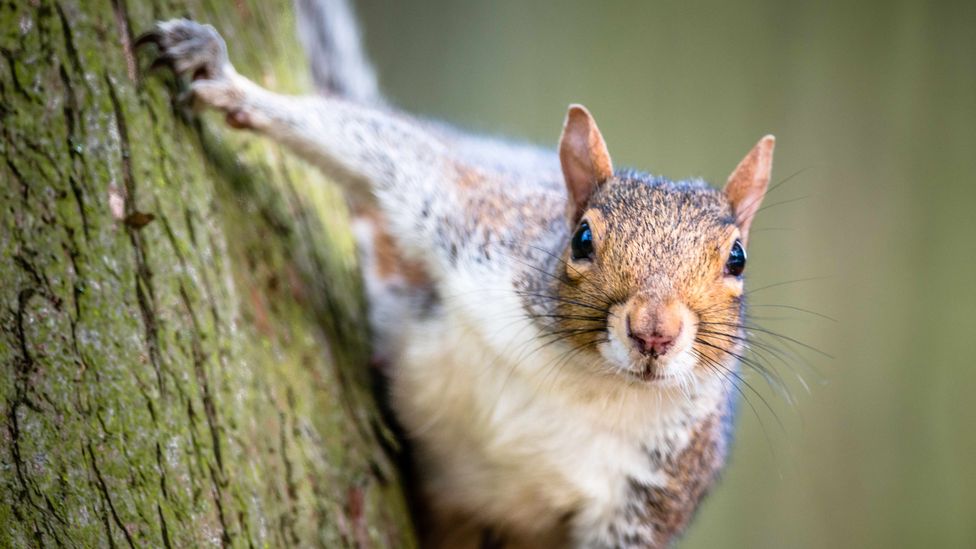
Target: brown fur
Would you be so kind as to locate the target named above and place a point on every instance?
(389, 261)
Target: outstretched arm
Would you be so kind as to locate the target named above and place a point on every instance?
(373, 152)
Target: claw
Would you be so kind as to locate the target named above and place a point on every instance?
(148, 37)
(154, 37)
(195, 53)
(162, 62)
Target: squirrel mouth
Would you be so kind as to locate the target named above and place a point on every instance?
(648, 373)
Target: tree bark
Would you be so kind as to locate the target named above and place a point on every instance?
(182, 338)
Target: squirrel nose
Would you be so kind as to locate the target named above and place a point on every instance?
(655, 344)
(654, 334)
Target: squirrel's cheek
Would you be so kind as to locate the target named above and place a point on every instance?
(732, 286)
(578, 270)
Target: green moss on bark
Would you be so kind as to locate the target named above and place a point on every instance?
(198, 380)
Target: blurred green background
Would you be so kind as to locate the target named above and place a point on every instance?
(874, 104)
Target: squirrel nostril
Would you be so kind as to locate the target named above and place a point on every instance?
(656, 344)
(660, 344)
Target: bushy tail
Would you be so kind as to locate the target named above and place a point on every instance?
(330, 35)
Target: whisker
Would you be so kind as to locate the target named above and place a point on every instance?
(737, 378)
(749, 327)
(778, 284)
(782, 202)
(569, 317)
(755, 344)
(563, 300)
(792, 308)
(786, 179)
(771, 376)
(769, 190)
(718, 368)
(765, 353)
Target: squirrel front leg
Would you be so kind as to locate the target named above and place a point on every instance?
(371, 152)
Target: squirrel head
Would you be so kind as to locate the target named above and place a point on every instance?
(652, 272)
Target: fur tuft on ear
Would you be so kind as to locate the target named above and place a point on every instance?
(584, 158)
(747, 185)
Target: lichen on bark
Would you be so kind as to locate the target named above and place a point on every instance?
(182, 346)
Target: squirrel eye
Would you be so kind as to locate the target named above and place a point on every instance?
(737, 260)
(582, 243)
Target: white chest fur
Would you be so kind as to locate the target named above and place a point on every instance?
(508, 428)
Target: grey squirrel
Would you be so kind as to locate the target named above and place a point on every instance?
(563, 338)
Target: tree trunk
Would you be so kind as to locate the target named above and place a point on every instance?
(182, 344)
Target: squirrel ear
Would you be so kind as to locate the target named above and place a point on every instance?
(747, 184)
(584, 159)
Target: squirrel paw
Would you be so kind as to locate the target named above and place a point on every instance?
(197, 52)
